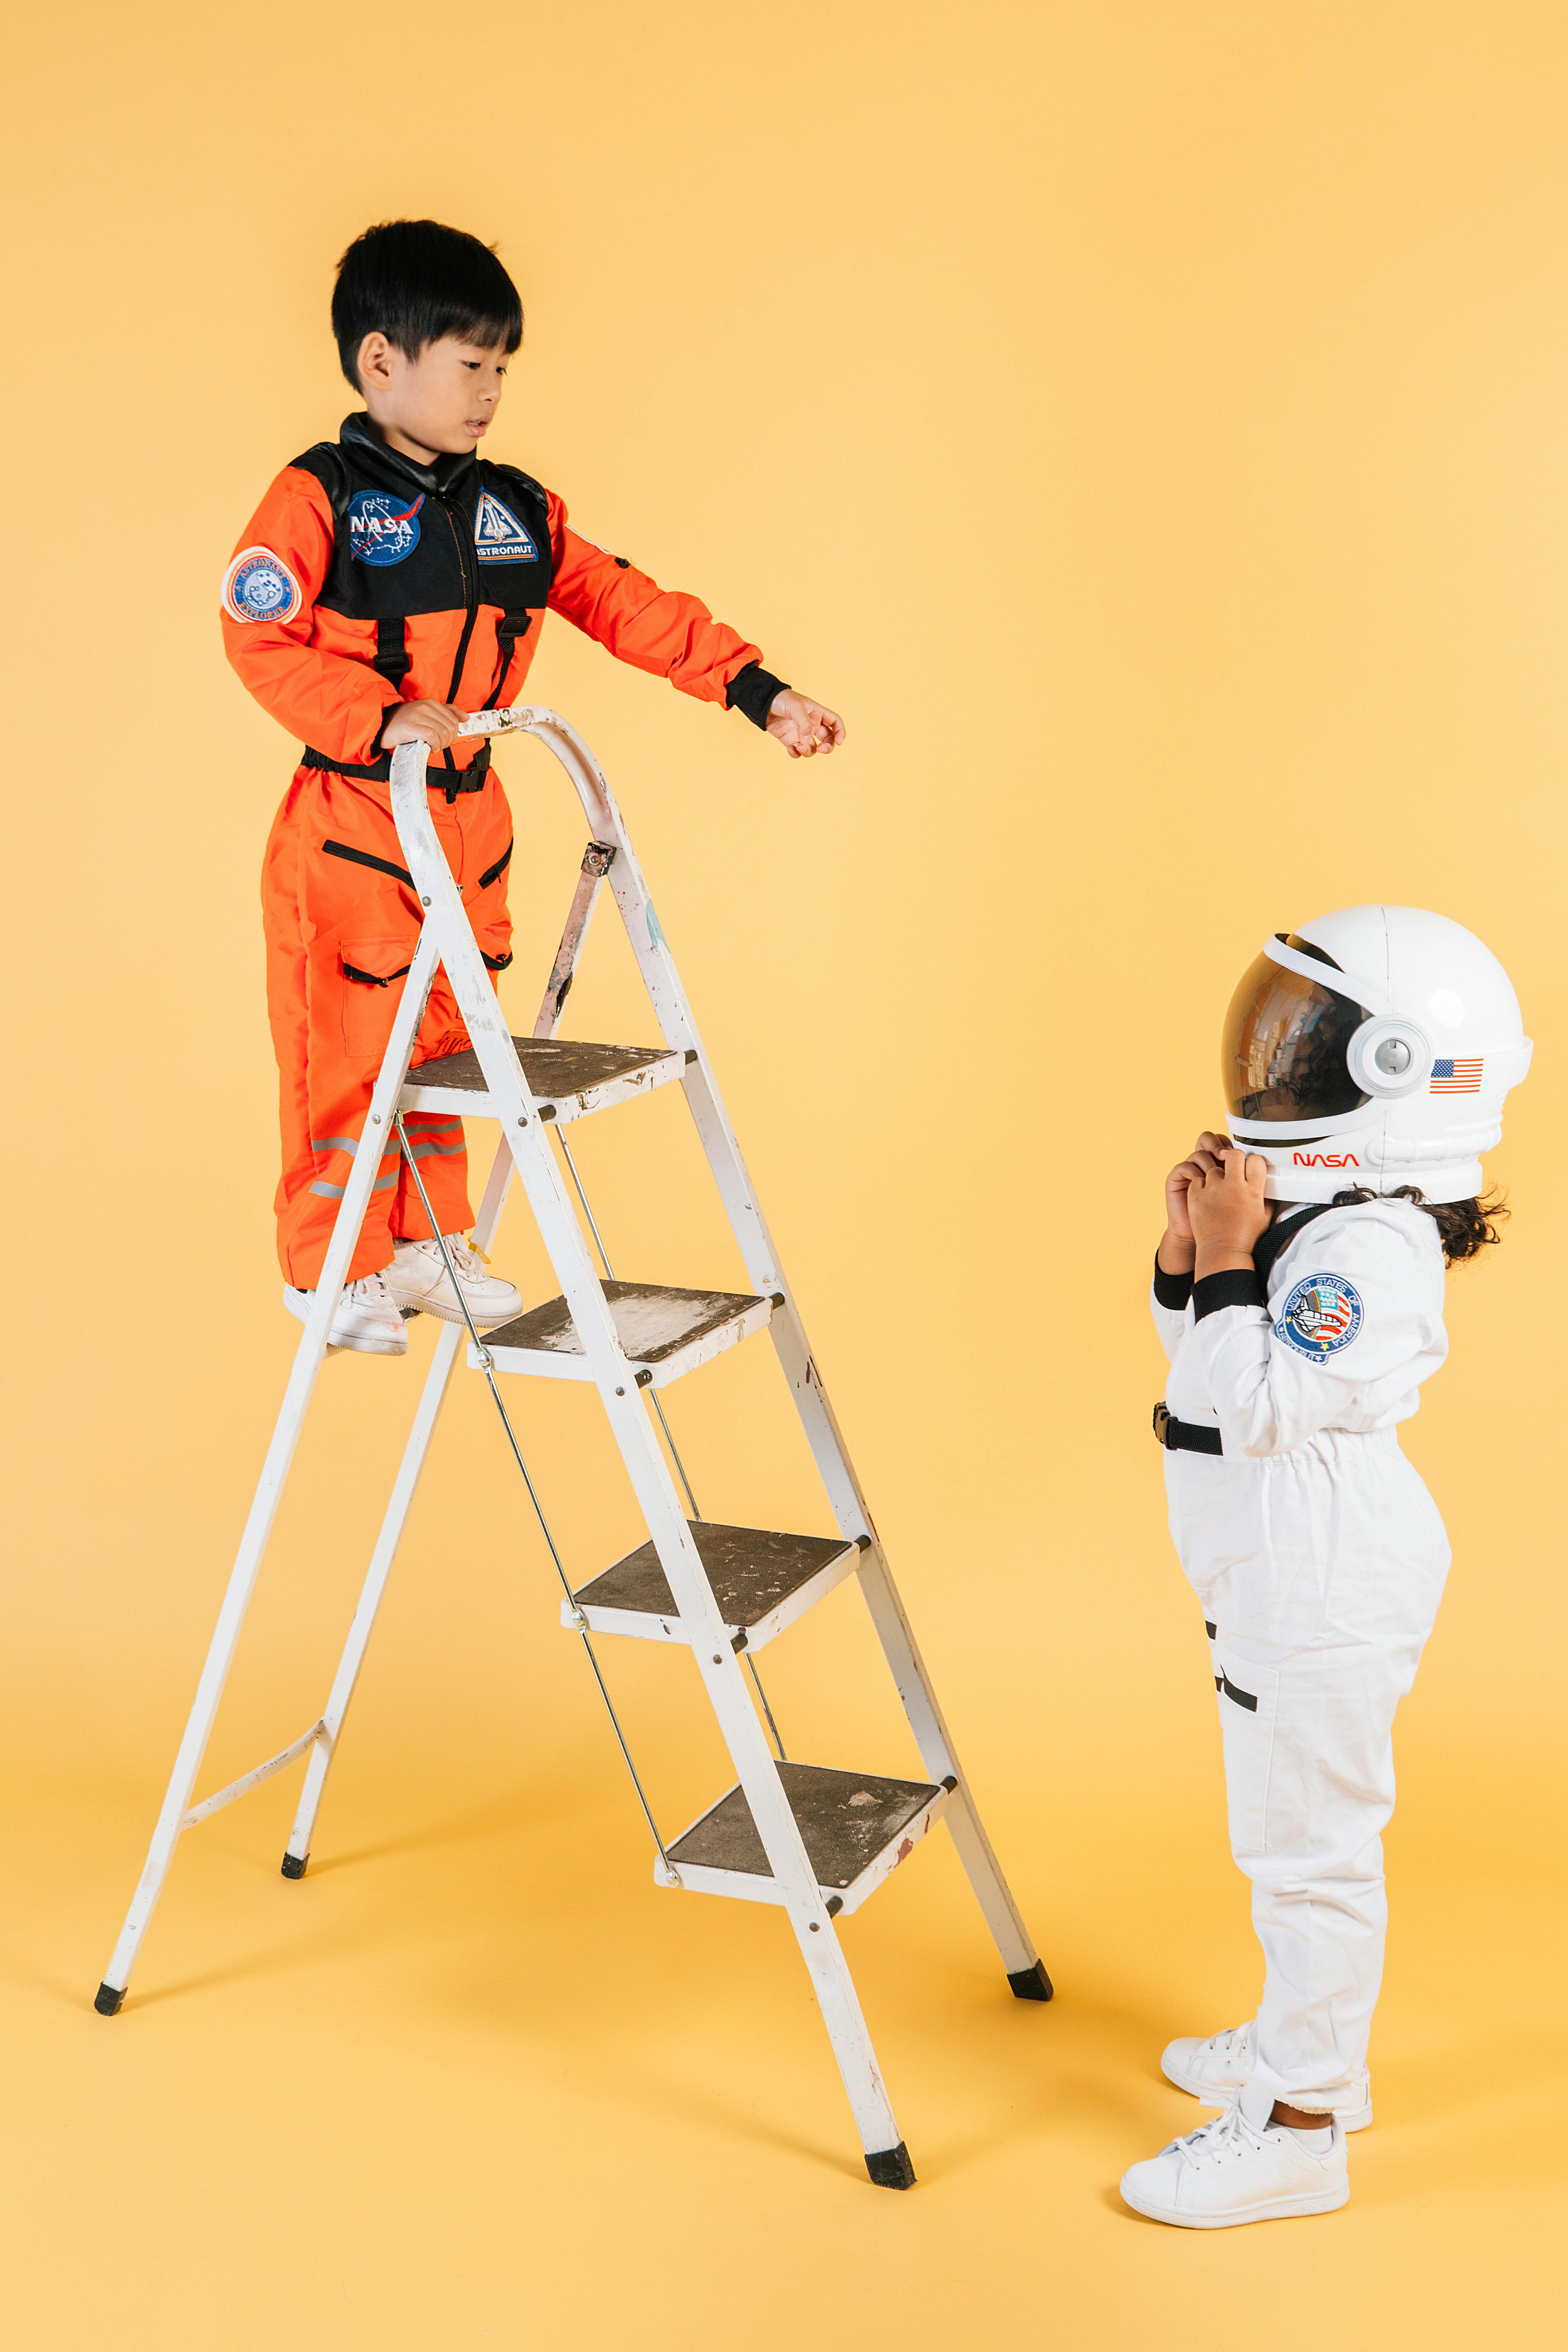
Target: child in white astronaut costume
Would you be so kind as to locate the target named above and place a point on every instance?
(1299, 1295)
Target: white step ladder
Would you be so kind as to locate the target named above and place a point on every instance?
(813, 1840)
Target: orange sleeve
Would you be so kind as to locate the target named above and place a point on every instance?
(270, 594)
(654, 628)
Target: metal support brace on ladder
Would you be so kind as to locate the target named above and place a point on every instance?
(813, 1840)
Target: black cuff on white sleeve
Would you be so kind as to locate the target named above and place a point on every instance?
(1239, 1285)
(1172, 1290)
(753, 691)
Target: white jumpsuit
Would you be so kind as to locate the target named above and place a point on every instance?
(1319, 1559)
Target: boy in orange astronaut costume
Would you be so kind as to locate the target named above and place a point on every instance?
(389, 584)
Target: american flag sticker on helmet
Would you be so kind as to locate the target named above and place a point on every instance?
(1462, 1077)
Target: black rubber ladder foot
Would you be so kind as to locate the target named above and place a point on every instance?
(1031, 1984)
(890, 2167)
(108, 1999)
(294, 1864)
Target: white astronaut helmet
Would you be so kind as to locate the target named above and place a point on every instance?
(1372, 1047)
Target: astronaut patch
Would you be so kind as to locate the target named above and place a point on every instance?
(259, 586)
(499, 537)
(1322, 1315)
(382, 529)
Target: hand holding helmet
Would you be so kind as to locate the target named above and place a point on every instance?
(1206, 1153)
(1228, 1209)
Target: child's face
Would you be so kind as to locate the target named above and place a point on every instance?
(441, 402)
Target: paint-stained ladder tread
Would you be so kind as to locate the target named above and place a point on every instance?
(554, 1067)
(653, 1321)
(751, 1571)
(846, 1820)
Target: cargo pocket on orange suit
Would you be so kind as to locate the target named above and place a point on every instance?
(374, 971)
(494, 942)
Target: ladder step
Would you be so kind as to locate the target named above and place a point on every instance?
(665, 1333)
(856, 1829)
(761, 1581)
(568, 1078)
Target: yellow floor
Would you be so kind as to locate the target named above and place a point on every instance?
(476, 2081)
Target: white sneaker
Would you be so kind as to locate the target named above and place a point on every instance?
(1215, 2070)
(1233, 2171)
(417, 1277)
(367, 1316)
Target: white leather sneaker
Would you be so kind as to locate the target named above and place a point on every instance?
(417, 1277)
(367, 1318)
(1215, 2070)
(1232, 2171)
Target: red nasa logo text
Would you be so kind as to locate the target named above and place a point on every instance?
(1325, 1160)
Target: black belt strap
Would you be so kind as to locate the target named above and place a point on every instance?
(1184, 1436)
(510, 627)
(378, 772)
(392, 651)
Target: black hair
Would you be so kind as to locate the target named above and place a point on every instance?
(1465, 1228)
(414, 282)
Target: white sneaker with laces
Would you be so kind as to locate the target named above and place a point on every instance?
(1214, 2070)
(367, 1316)
(1236, 2170)
(417, 1277)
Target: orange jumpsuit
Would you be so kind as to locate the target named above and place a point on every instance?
(363, 579)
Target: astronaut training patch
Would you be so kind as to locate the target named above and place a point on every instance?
(259, 586)
(498, 534)
(1321, 1315)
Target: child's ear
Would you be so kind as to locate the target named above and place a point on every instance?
(373, 362)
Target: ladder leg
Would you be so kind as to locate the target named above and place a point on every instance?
(437, 1383)
(309, 1358)
(1025, 1970)
(598, 1338)
(887, 2157)
(307, 1362)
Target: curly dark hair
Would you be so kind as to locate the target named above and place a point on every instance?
(1465, 1228)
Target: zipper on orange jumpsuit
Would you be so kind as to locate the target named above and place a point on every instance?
(471, 607)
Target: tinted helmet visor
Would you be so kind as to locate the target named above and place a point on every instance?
(1284, 1052)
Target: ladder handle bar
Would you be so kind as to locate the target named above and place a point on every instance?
(533, 718)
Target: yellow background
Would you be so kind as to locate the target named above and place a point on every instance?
(1147, 424)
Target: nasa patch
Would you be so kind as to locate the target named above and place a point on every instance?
(1321, 1315)
(499, 537)
(382, 529)
(259, 586)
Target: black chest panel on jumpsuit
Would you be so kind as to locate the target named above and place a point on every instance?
(415, 539)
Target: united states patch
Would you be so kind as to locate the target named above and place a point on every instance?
(1461, 1077)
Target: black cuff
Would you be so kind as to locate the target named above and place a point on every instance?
(391, 711)
(1172, 1290)
(1239, 1285)
(753, 691)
